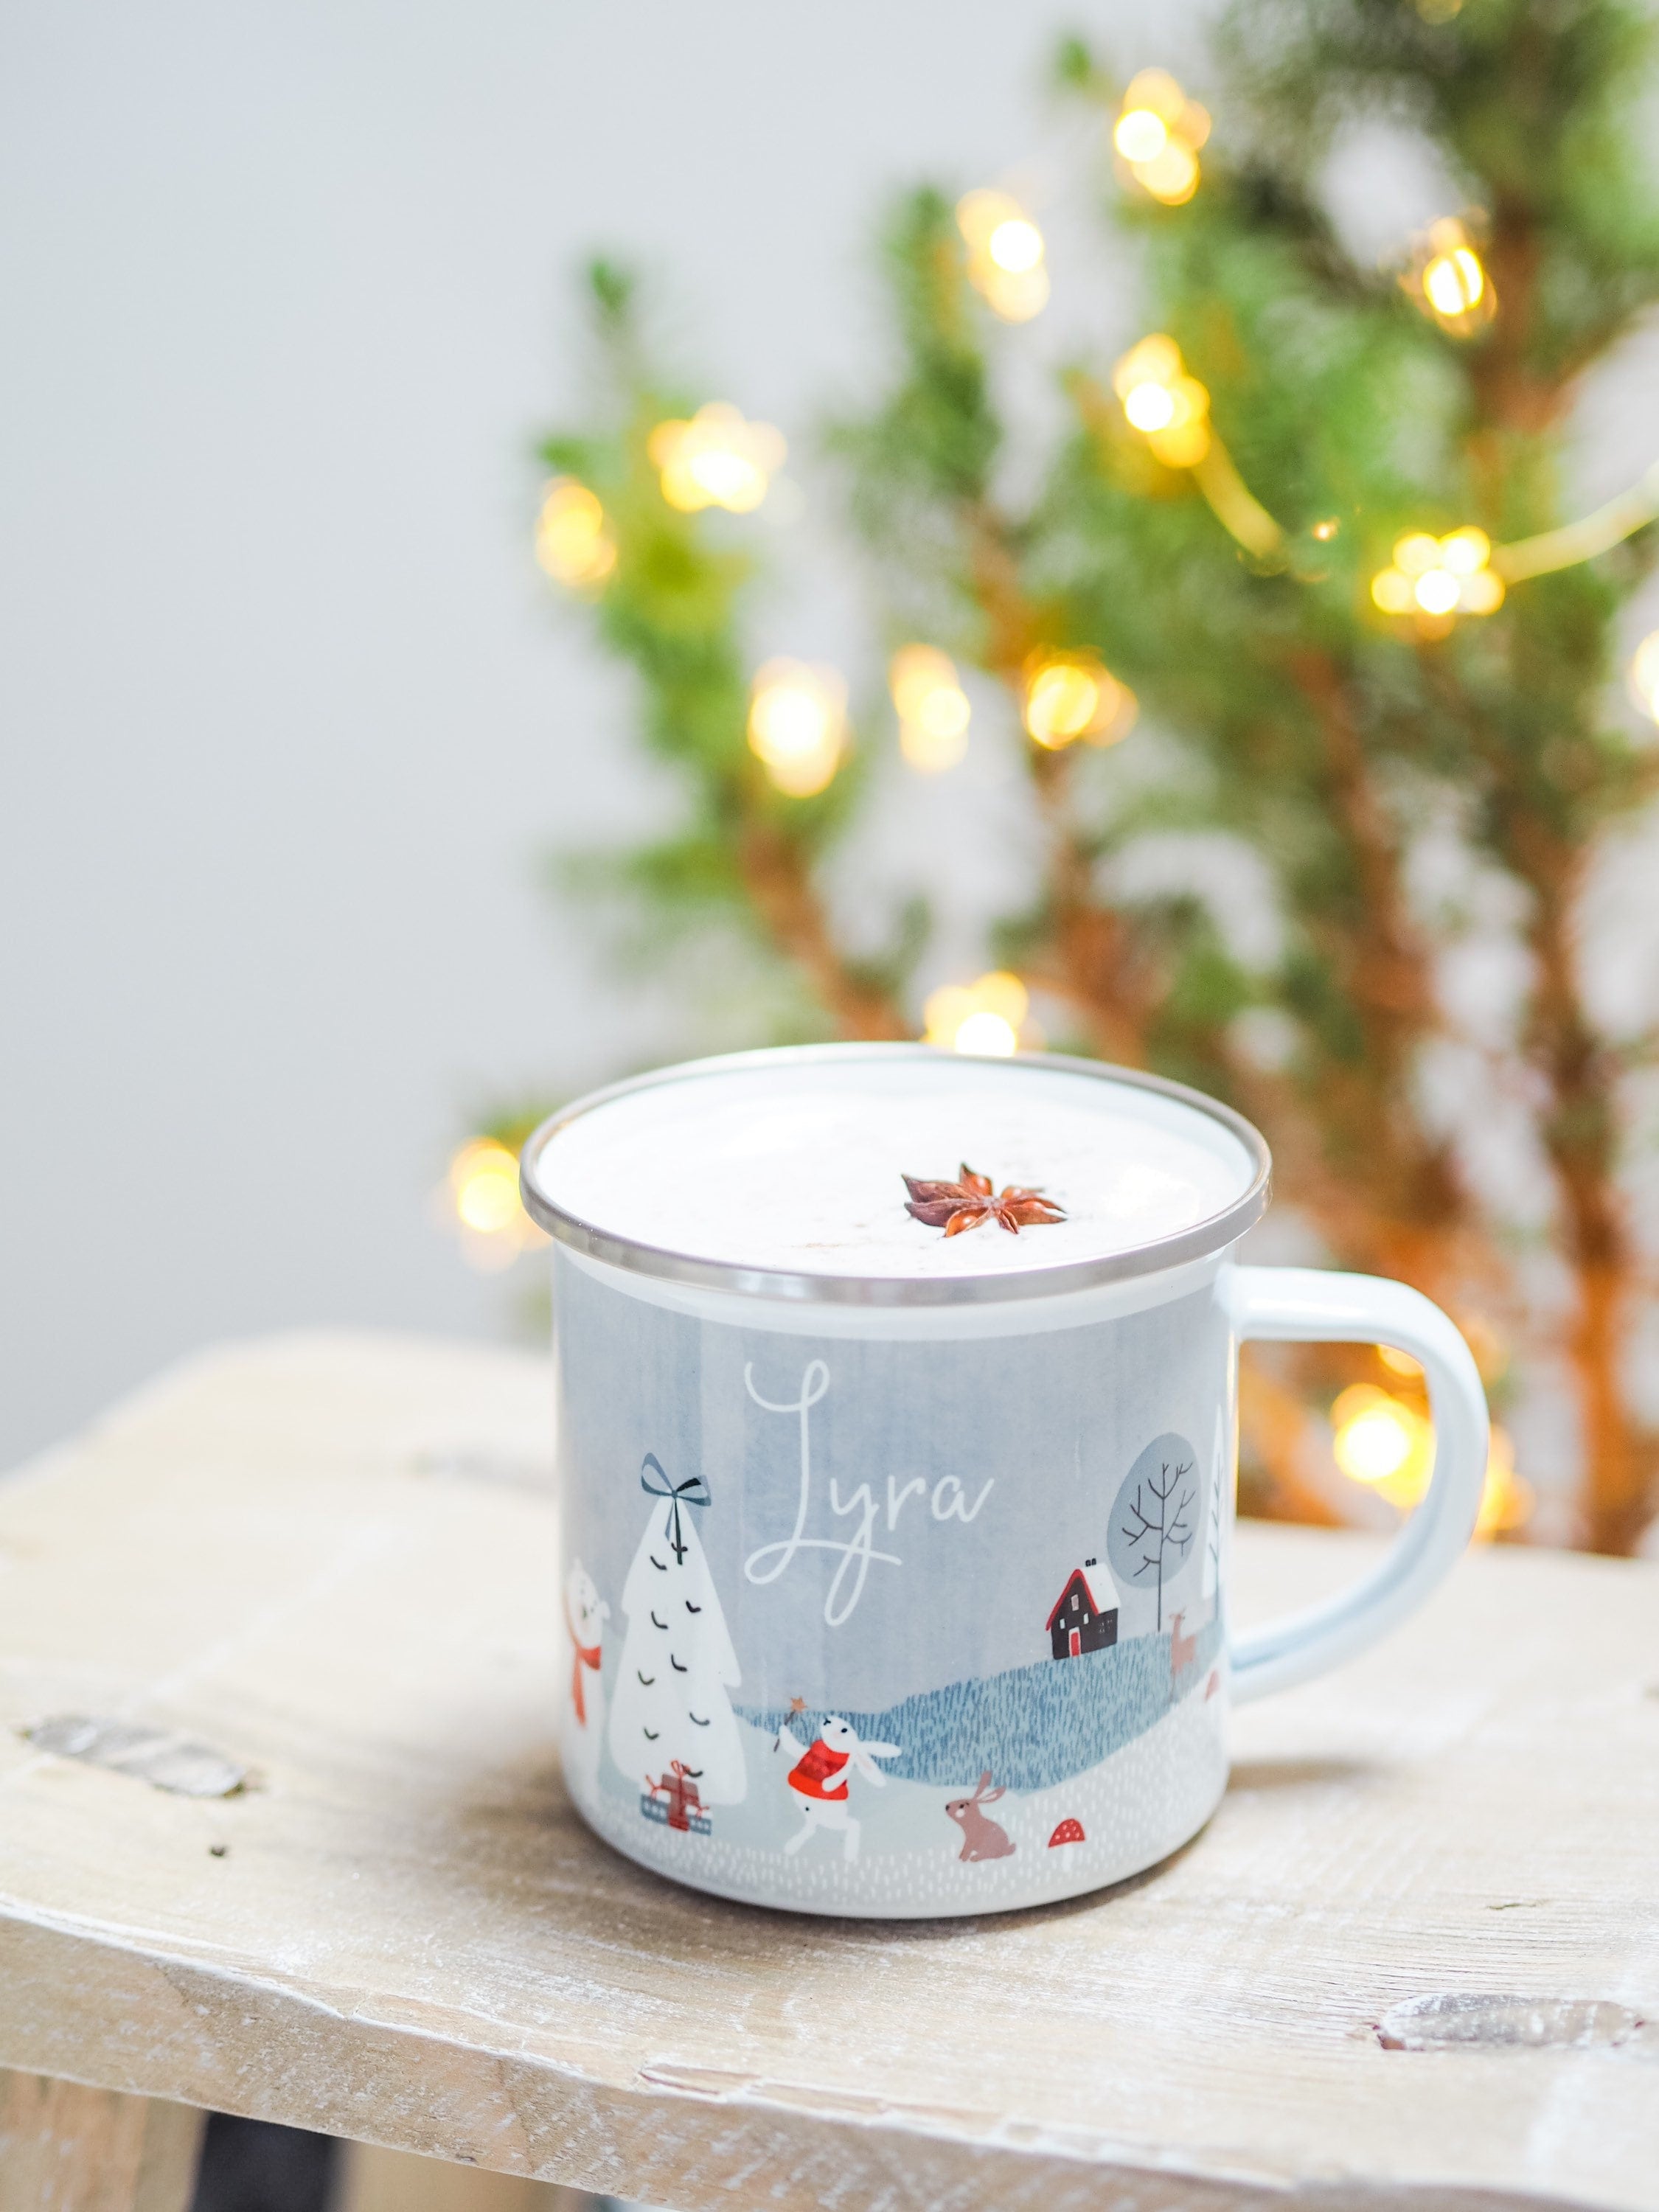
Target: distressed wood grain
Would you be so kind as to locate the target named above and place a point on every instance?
(67, 2148)
(376, 2180)
(332, 1560)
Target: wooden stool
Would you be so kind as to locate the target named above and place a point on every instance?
(1412, 1961)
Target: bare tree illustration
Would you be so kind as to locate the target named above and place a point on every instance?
(1154, 1526)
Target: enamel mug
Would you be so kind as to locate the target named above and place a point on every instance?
(898, 1421)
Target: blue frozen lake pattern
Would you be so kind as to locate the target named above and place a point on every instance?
(1033, 1726)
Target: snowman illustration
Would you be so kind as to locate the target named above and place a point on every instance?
(821, 1777)
(671, 1726)
(583, 1732)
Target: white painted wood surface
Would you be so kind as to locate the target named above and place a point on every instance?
(332, 1559)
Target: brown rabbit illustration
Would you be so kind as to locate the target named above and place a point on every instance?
(981, 1839)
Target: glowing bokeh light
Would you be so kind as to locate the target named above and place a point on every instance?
(1436, 591)
(1170, 409)
(1157, 134)
(1006, 254)
(1644, 674)
(1388, 1445)
(1015, 246)
(934, 710)
(1150, 406)
(1449, 279)
(1140, 134)
(573, 541)
(798, 723)
(1376, 1435)
(983, 1016)
(715, 460)
(1455, 282)
(1075, 696)
(481, 1195)
(1440, 577)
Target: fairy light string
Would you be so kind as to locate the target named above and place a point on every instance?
(1170, 408)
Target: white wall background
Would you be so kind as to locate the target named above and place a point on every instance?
(288, 714)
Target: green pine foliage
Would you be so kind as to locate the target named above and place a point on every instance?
(1280, 707)
(671, 609)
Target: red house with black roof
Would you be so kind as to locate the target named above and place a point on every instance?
(1077, 1624)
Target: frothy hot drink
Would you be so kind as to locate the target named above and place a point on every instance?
(815, 1167)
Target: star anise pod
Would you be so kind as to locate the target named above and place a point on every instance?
(954, 1207)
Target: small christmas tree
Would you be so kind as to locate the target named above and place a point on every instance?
(1312, 525)
(673, 1727)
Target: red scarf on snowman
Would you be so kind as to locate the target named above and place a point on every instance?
(587, 1655)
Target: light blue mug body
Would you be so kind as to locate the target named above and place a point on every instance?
(908, 1609)
(996, 1560)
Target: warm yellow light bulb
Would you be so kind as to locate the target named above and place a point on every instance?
(798, 723)
(1449, 279)
(1170, 176)
(1465, 550)
(484, 1178)
(1382, 1442)
(988, 1033)
(981, 1016)
(1158, 133)
(1436, 591)
(480, 1200)
(1439, 576)
(1015, 246)
(980, 213)
(1167, 406)
(1389, 1445)
(1153, 360)
(1184, 439)
(1416, 553)
(1016, 296)
(1150, 406)
(914, 673)
(1482, 593)
(573, 541)
(1072, 695)
(1456, 282)
(933, 707)
(716, 459)
(1373, 1446)
(1140, 135)
(1644, 674)
(944, 713)
(1005, 254)
(1157, 90)
(1062, 702)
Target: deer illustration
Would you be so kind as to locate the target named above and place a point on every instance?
(981, 1839)
(820, 1777)
(1183, 1649)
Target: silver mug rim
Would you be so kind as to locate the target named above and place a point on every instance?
(1198, 1242)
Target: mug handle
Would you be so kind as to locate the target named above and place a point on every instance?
(1310, 1305)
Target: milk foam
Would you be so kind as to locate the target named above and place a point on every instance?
(796, 1166)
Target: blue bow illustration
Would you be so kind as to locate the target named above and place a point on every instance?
(693, 1491)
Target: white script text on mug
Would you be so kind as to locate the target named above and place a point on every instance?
(948, 1501)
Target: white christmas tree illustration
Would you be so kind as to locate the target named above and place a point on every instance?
(672, 1709)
